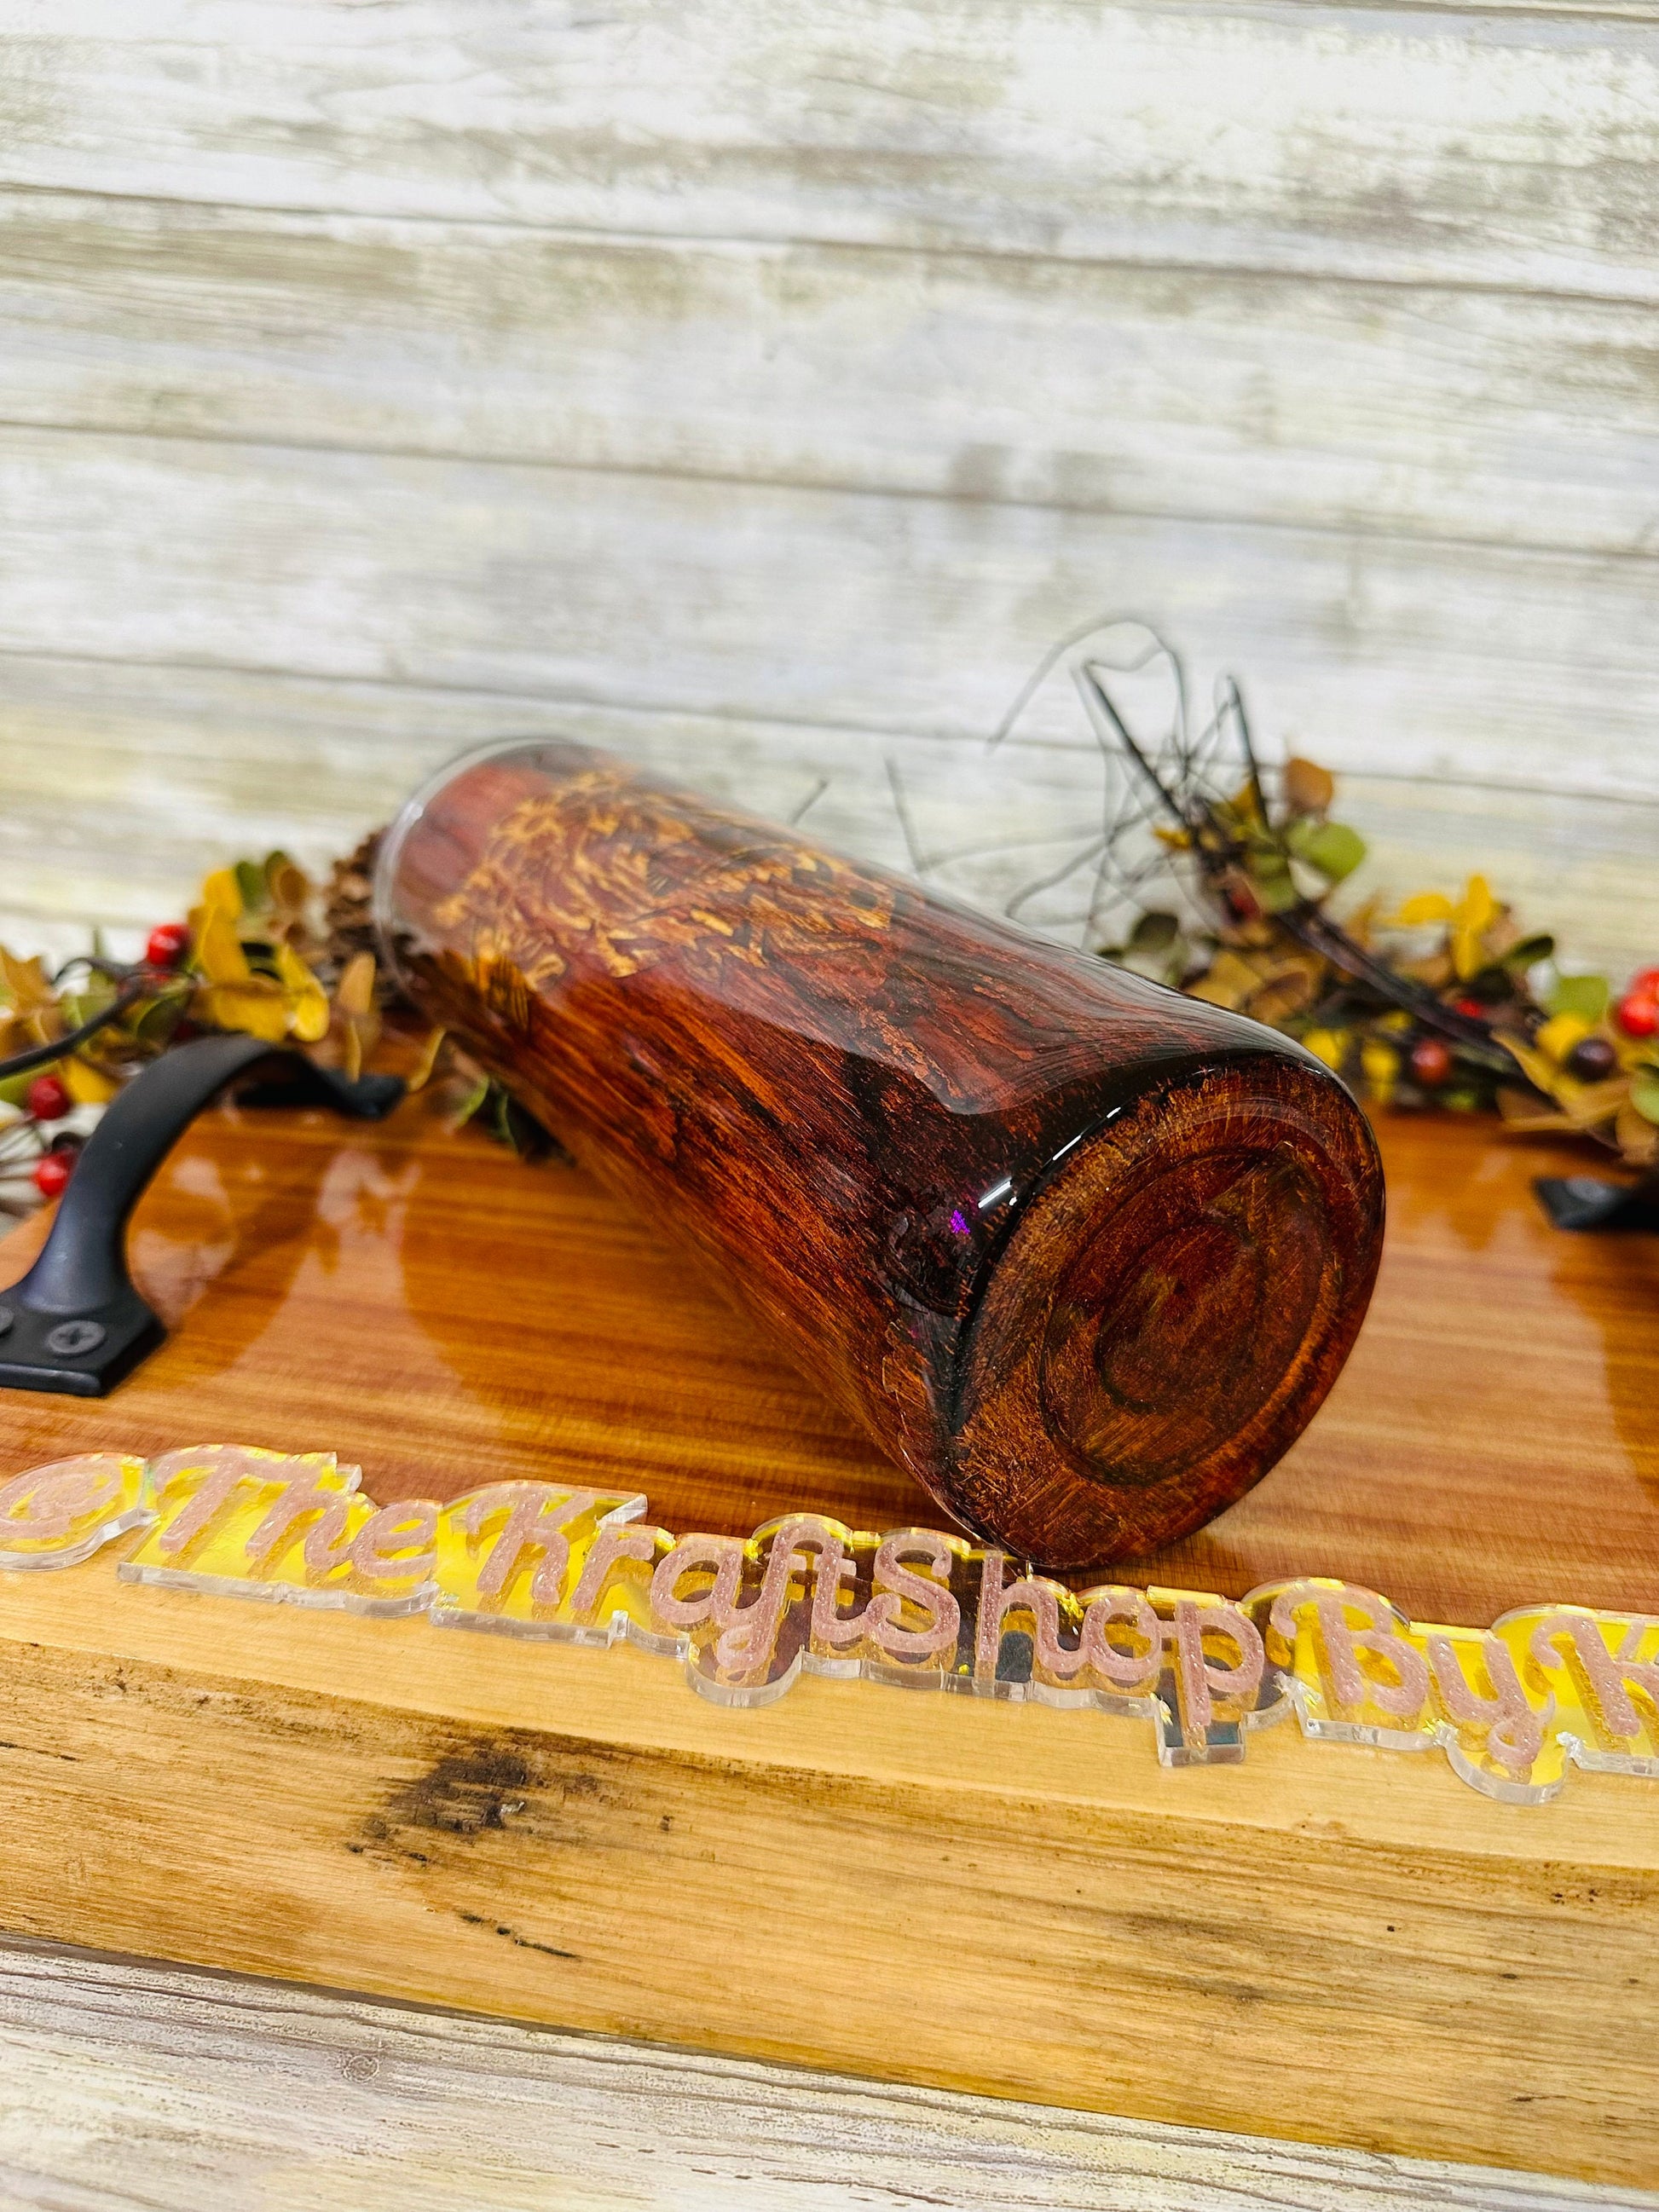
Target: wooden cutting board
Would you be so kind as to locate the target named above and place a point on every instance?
(444, 1315)
(1337, 1944)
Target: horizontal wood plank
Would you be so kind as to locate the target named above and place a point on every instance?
(1488, 145)
(125, 784)
(1241, 396)
(125, 2079)
(772, 603)
(533, 1829)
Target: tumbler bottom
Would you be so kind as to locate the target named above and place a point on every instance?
(1169, 1315)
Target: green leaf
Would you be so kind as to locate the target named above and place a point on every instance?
(471, 1103)
(1272, 882)
(1644, 1092)
(1331, 847)
(1153, 933)
(159, 1016)
(1586, 996)
(91, 995)
(501, 1118)
(1529, 951)
(251, 882)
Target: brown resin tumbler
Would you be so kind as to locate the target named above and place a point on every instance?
(1084, 1255)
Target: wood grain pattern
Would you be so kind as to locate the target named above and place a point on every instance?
(555, 1834)
(1082, 1255)
(1247, 396)
(1489, 145)
(124, 785)
(123, 2077)
(428, 1305)
(887, 614)
(482, 1319)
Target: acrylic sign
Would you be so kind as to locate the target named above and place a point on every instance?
(1511, 1706)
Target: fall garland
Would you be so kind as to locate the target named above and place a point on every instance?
(265, 951)
(1453, 1003)
(1445, 1002)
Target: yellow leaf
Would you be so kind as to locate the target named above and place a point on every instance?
(1328, 1045)
(1474, 916)
(1524, 1113)
(1468, 954)
(308, 1017)
(1587, 1104)
(1427, 906)
(354, 994)
(307, 1002)
(1229, 980)
(1380, 1062)
(86, 1084)
(218, 954)
(1282, 994)
(1559, 1034)
(1536, 1067)
(256, 1006)
(27, 988)
(427, 1061)
(1361, 924)
(222, 894)
(1478, 909)
(1637, 1137)
(353, 1042)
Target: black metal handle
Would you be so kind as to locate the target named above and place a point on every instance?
(1589, 1202)
(75, 1324)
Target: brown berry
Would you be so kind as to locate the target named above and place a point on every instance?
(1591, 1059)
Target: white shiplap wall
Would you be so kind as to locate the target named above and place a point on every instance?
(760, 388)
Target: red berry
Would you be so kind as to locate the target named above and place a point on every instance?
(52, 1173)
(1472, 1008)
(48, 1101)
(1644, 984)
(1638, 1013)
(167, 944)
(1431, 1063)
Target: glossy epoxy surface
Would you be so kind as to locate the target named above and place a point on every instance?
(1081, 1255)
(428, 1306)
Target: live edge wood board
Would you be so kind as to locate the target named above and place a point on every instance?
(1330, 1943)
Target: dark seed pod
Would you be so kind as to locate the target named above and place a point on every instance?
(1592, 1060)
